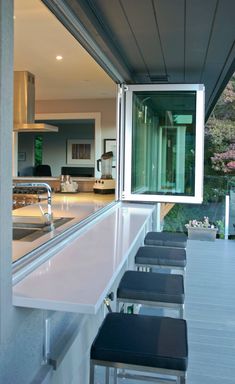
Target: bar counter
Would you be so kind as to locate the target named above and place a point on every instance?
(77, 278)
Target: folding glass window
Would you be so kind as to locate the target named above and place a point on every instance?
(164, 128)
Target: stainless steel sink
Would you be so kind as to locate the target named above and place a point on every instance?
(29, 225)
(29, 230)
(24, 233)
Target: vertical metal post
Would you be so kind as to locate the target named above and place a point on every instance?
(46, 343)
(158, 218)
(226, 230)
(120, 142)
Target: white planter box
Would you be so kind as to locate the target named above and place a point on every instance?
(204, 234)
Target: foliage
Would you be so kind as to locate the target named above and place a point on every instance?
(183, 213)
(220, 133)
(225, 107)
(224, 161)
(200, 223)
(38, 150)
(220, 226)
(215, 188)
(231, 183)
(175, 219)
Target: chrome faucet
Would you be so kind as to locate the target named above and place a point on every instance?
(47, 216)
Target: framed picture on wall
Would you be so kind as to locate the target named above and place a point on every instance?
(111, 145)
(80, 152)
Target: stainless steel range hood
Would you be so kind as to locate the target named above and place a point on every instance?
(24, 105)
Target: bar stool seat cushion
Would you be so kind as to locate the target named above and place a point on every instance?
(148, 286)
(168, 239)
(142, 340)
(167, 256)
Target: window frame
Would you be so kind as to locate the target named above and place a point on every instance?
(197, 198)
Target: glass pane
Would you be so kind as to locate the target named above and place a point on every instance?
(38, 150)
(213, 207)
(231, 189)
(163, 142)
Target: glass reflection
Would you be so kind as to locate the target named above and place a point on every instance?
(163, 142)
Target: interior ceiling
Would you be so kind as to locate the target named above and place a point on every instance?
(151, 41)
(38, 38)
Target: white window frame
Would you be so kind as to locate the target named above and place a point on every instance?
(197, 198)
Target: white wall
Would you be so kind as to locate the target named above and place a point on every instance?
(54, 147)
(107, 108)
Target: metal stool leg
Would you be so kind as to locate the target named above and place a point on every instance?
(181, 311)
(115, 376)
(107, 375)
(182, 380)
(92, 373)
(117, 305)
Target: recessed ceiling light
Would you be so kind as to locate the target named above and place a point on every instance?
(59, 57)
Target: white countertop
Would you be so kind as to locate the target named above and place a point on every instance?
(77, 278)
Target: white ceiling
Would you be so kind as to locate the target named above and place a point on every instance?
(39, 37)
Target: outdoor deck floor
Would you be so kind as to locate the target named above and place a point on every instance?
(210, 312)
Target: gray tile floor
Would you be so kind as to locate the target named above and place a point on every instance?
(210, 313)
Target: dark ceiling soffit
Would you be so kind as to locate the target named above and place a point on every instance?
(65, 15)
(101, 34)
(104, 37)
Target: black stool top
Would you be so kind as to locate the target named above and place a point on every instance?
(155, 255)
(168, 239)
(142, 340)
(148, 286)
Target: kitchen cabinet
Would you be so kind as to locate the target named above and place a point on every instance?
(85, 184)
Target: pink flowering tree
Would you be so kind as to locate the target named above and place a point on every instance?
(220, 132)
(225, 161)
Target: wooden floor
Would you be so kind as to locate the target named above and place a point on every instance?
(210, 312)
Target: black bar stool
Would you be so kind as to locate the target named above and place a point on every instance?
(166, 239)
(152, 289)
(161, 257)
(152, 344)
